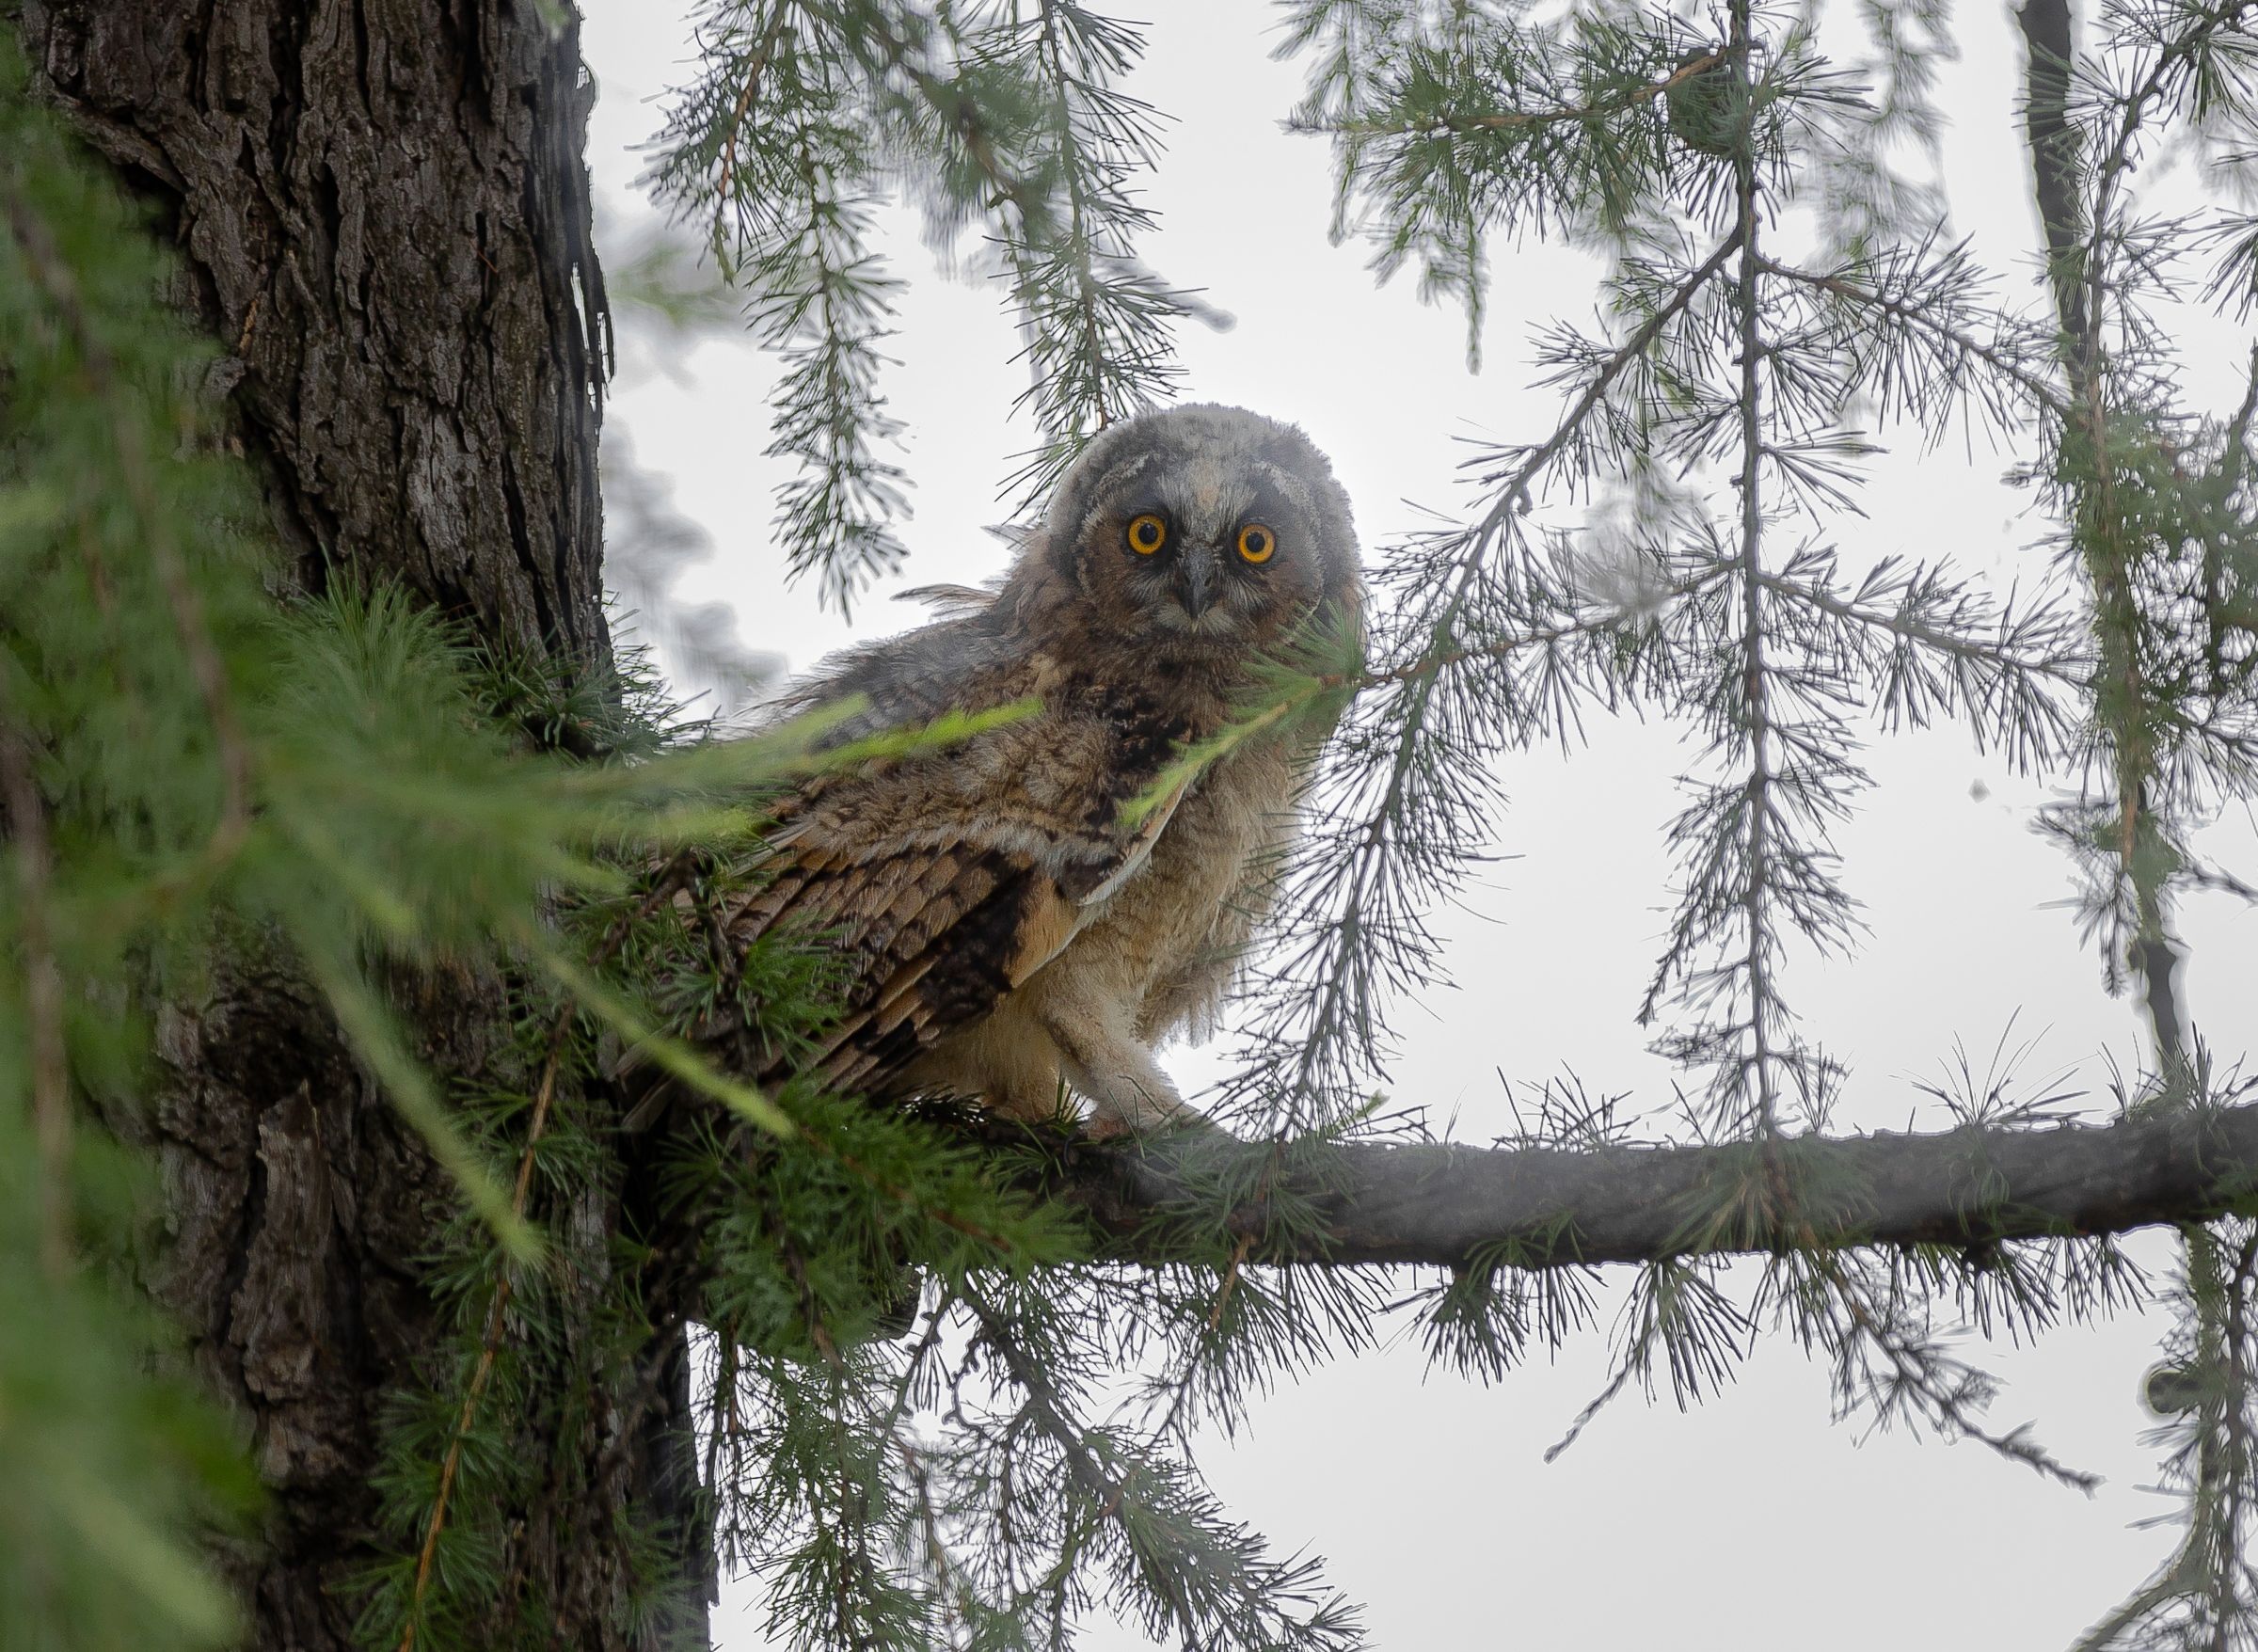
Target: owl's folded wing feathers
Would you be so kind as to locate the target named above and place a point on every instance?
(933, 925)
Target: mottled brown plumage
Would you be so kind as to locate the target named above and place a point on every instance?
(1006, 936)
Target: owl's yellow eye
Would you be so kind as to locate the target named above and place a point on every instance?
(1147, 534)
(1257, 543)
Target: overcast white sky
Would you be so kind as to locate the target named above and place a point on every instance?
(1752, 1521)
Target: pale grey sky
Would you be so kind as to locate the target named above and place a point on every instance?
(1752, 1522)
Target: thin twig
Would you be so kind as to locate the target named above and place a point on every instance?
(1539, 637)
(1371, 835)
(2065, 669)
(1231, 1277)
(744, 103)
(1047, 1408)
(489, 1348)
(2117, 164)
(1757, 896)
(1916, 317)
(1077, 235)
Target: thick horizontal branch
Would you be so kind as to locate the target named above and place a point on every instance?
(1547, 1207)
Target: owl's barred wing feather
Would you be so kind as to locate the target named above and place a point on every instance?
(930, 935)
(935, 915)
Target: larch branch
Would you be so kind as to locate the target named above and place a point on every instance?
(1452, 1205)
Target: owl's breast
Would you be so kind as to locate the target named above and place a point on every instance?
(1193, 893)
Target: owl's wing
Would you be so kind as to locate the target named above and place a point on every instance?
(934, 918)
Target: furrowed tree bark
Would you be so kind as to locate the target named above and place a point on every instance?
(1534, 1207)
(382, 214)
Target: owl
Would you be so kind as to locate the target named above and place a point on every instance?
(1008, 932)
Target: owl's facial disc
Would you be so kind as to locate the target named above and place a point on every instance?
(1205, 557)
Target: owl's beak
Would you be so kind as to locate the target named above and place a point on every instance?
(1194, 581)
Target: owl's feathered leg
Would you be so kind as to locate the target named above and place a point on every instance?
(1128, 1092)
(1007, 1061)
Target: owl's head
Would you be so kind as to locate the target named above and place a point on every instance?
(1201, 533)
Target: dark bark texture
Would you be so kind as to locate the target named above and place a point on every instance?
(382, 213)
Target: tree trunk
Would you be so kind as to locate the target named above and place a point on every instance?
(382, 216)
(384, 213)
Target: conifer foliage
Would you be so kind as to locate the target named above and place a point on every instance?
(209, 768)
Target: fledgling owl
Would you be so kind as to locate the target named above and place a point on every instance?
(1005, 930)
